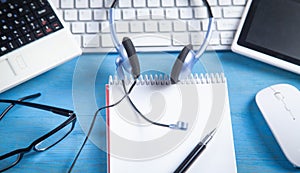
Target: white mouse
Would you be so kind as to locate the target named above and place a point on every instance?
(280, 106)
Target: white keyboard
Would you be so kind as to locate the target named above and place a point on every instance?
(154, 25)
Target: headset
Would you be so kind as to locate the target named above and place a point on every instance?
(128, 59)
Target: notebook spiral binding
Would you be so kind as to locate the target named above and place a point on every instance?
(207, 78)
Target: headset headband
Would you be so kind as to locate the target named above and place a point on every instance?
(197, 54)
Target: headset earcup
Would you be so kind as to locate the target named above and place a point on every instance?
(176, 69)
(132, 56)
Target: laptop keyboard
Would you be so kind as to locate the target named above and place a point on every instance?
(24, 21)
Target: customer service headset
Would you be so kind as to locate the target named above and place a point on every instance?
(128, 60)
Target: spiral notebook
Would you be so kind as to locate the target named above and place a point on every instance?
(134, 145)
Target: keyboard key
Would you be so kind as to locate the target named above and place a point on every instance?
(100, 14)
(167, 3)
(157, 13)
(3, 49)
(78, 27)
(4, 38)
(106, 41)
(81, 3)
(107, 3)
(226, 41)
(43, 21)
(69, 15)
(129, 14)
(139, 3)
(21, 41)
(16, 34)
(232, 12)
(227, 24)
(67, 4)
(12, 45)
(85, 15)
(122, 26)
(165, 26)
(42, 12)
(25, 29)
(143, 13)
(38, 33)
(186, 13)
(151, 26)
(90, 41)
(125, 3)
(196, 3)
(181, 3)
(217, 12)
(179, 25)
(47, 29)
(105, 27)
(180, 39)
(34, 25)
(212, 2)
(92, 27)
(56, 3)
(172, 13)
(33, 6)
(117, 14)
(29, 37)
(194, 25)
(153, 3)
(96, 3)
(225, 2)
(239, 2)
(136, 26)
(52, 18)
(56, 26)
(42, 3)
(227, 34)
(205, 25)
(201, 13)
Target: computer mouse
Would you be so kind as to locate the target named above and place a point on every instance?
(280, 107)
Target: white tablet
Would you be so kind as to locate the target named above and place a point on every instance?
(270, 32)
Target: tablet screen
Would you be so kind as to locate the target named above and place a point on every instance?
(273, 27)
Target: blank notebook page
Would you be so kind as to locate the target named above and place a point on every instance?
(134, 145)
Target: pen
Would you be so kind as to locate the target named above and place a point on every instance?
(188, 161)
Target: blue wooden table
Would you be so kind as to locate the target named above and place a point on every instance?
(255, 147)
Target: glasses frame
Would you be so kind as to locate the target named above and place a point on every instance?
(33, 146)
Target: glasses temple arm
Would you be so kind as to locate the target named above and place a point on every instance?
(55, 110)
(20, 99)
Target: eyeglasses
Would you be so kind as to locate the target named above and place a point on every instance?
(43, 143)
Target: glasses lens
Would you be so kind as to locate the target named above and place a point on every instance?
(9, 162)
(54, 138)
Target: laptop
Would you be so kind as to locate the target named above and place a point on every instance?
(33, 40)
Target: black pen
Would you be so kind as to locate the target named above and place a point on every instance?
(188, 161)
